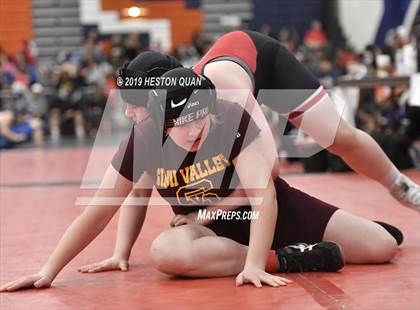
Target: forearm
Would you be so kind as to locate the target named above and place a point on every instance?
(130, 223)
(262, 230)
(89, 224)
(77, 236)
(132, 215)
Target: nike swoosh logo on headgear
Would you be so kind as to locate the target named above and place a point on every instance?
(174, 105)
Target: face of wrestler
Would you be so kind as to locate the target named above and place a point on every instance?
(137, 114)
(191, 136)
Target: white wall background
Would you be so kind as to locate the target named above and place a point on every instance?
(360, 20)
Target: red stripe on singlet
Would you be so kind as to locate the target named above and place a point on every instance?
(307, 105)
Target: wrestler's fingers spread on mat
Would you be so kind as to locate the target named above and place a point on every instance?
(270, 281)
(111, 263)
(90, 267)
(256, 276)
(251, 279)
(281, 281)
(274, 280)
(27, 282)
(243, 278)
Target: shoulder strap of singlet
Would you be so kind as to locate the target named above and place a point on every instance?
(237, 61)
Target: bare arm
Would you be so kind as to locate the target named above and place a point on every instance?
(256, 163)
(240, 91)
(255, 176)
(130, 222)
(79, 234)
(131, 219)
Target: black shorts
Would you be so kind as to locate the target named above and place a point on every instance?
(277, 69)
(301, 218)
(270, 66)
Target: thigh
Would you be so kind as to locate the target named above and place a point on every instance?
(362, 240)
(237, 230)
(301, 217)
(183, 234)
(290, 84)
(323, 122)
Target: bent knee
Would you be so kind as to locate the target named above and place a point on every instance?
(170, 254)
(381, 248)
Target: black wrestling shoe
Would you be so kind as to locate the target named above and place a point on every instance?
(300, 257)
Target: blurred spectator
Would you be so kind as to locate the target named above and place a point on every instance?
(17, 126)
(315, 37)
(405, 52)
(91, 49)
(96, 72)
(132, 46)
(199, 43)
(268, 30)
(7, 70)
(66, 109)
(384, 120)
(289, 37)
(368, 60)
(186, 54)
(37, 101)
(117, 51)
(383, 66)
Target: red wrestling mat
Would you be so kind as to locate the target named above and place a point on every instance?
(37, 194)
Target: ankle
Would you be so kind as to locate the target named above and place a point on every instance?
(389, 180)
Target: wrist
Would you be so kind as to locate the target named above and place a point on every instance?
(251, 264)
(49, 272)
(121, 255)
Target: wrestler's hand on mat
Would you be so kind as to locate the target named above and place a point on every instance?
(112, 263)
(258, 276)
(37, 280)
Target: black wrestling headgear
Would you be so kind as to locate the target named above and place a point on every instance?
(183, 98)
(132, 75)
